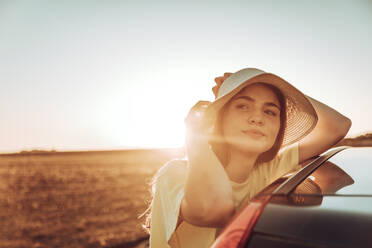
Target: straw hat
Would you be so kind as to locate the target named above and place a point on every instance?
(301, 115)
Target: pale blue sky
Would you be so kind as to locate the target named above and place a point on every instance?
(77, 75)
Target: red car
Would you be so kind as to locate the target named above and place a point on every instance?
(328, 203)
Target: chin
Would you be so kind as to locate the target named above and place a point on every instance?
(253, 147)
(250, 145)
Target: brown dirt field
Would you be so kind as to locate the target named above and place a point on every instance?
(87, 199)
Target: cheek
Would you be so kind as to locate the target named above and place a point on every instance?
(232, 123)
(274, 127)
(228, 121)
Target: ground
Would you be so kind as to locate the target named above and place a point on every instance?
(88, 199)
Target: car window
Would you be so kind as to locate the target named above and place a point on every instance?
(258, 241)
(348, 172)
(270, 188)
(327, 179)
(357, 163)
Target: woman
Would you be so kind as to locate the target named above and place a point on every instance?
(252, 133)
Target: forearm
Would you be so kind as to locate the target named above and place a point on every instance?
(331, 120)
(208, 192)
(331, 127)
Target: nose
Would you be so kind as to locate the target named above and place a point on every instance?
(256, 118)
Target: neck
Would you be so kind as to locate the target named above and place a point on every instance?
(240, 165)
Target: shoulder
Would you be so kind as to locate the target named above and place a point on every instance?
(289, 152)
(289, 148)
(286, 159)
(174, 170)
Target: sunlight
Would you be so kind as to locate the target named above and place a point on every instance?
(165, 137)
(160, 126)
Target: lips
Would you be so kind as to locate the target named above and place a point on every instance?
(254, 133)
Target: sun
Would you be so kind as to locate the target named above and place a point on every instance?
(154, 129)
(168, 136)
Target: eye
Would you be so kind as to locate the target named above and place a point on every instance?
(270, 112)
(242, 106)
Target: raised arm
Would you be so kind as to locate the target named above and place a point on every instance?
(208, 199)
(330, 129)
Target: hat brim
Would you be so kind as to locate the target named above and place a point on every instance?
(301, 115)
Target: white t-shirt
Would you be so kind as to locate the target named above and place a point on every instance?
(169, 191)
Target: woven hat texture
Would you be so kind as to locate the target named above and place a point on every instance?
(301, 115)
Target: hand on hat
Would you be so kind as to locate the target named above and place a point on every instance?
(195, 119)
(198, 127)
(219, 81)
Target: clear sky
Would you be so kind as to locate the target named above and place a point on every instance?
(79, 75)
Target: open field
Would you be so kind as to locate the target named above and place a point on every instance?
(81, 199)
(89, 199)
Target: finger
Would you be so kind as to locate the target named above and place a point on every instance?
(227, 74)
(198, 109)
(200, 106)
(215, 90)
(196, 113)
(219, 80)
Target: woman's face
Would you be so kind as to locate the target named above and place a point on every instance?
(251, 120)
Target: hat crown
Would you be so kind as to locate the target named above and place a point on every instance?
(236, 79)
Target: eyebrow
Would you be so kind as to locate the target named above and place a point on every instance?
(248, 98)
